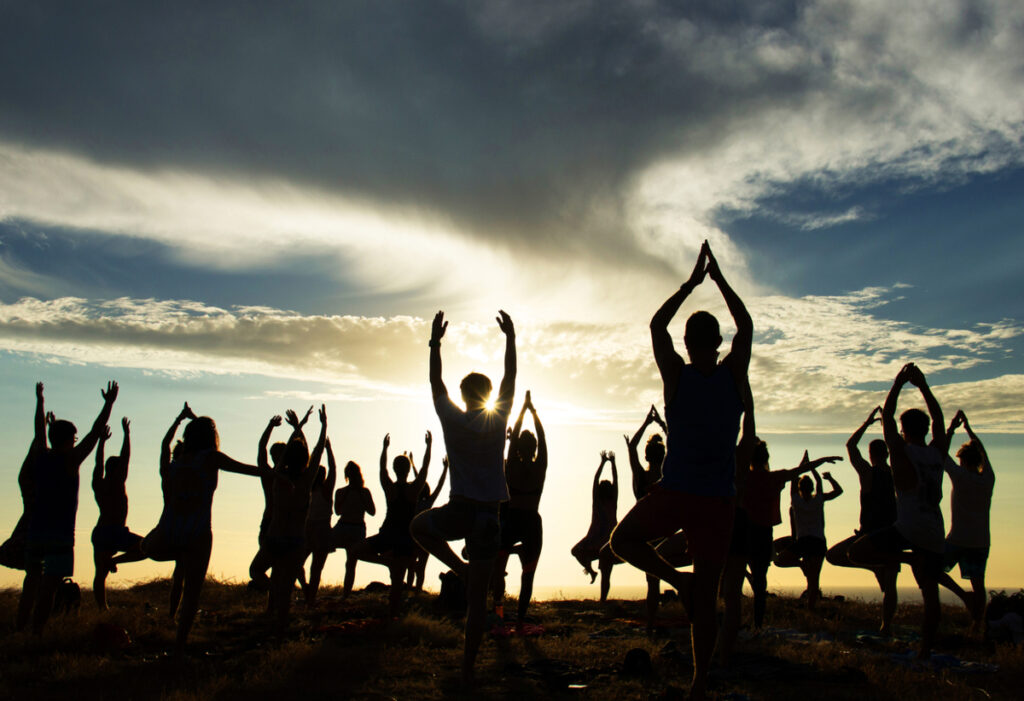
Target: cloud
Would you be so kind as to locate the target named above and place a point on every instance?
(811, 361)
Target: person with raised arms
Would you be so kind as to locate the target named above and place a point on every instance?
(604, 502)
(318, 537)
(428, 497)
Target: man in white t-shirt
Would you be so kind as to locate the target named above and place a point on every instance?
(475, 441)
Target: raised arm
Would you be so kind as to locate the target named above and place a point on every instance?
(668, 361)
(39, 423)
(165, 445)
(739, 356)
(444, 475)
(385, 479)
(261, 449)
(421, 477)
(513, 435)
(542, 442)
(615, 471)
(332, 472)
(97, 470)
(806, 465)
(296, 423)
(126, 444)
(916, 378)
(507, 389)
(86, 445)
(985, 464)
(904, 476)
(836, 489)
(634, 457)
(437, 330)
(862, 466)
(748, 431)
(597, 475)
(318, 451)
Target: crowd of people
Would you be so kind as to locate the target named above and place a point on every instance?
(706, 499)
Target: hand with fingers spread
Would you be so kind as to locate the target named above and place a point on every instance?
(105, 434)
(111, 392)
(438, 328)
(505, 323)
(125, 424)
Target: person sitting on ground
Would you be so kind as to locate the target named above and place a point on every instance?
(761, 502)
(393, 546)
(418, 570)
(604, 499)
(319, 540)
(351, 503)
(917, 468)
(877, 511)
(475, 439)
(111, 535)
(184, 532)
(258, 579)
(703, 405)
(50, 527)
(805, 547)
(522, 530)
(967, 542)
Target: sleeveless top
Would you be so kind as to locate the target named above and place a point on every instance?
(52, 518)
(878, 505)
(400, 511)
(703, 418)
(808, 517)
(918, 516)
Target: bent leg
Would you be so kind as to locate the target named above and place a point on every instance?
(423, 532)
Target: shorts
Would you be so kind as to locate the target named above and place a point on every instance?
(50, 559)
(890, 540)
(522, 526)
(477, 522)
(165, 543)
(117, 539)
(759, 546)
(706, 520)
(318, 536)
(972, 561)
(808, 546)
(398, 543)
(345, 535)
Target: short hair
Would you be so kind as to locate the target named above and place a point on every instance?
(970, 453)
(277, 452)
(702, 330)
(476, 386)
(401, 465)
(760, 453)
(914, 423)
(61, 432)
(200, 434)
(878, 447)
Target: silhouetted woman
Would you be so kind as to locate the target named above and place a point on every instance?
(603, 517)
(319, 542)
(351, 503)
(418, 569)
(184, 533)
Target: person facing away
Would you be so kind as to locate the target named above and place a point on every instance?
(525, 471)
(351, 503)
(877, 511)
(475, 441)
(50, 527)
(967, 542)
(111, 534)
(703, 405)
(258, 579)
(917, 466)
(319, 542)
(428, 497)
(805, 546)
(604, 501)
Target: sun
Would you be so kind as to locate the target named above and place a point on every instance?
(490, 403)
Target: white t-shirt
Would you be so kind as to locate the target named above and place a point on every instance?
(918, 516)
(475, 441)
(972, 499)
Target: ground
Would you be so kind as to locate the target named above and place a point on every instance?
(351, 649)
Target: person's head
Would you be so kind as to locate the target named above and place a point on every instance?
(401, 466)
(759, 458)
(114, 468)
(605, 491)
(970, 456)
(526, 447)
(277, 453)
(296, 456)
(654, 451)
(703, 337)
(200, 434)
(354, 474)
(62, 435)
(878, 452)
(476, 390)
(321, 477)
(914, 425)
(806, 487)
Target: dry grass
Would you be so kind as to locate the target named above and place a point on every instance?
(350, 649)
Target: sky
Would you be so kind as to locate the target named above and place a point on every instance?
(254, 207)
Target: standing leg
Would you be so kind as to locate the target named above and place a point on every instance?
(29, 593)
(653, 594)
(177, 582)
(526, 588)
(812, 570)
(316, 568)
(498, 581)
(44, 601)
(101, 560)
(886, 577)
(732, 595)
(704, 628)
(351, 560)
(479, 575)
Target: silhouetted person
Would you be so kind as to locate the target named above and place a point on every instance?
(761, 502)
(12, 551)
(917, 475)
(319, 541)
(526, 467)
(967, 542)
(418, 569)
(877, 511)
(184, 532)
(50, 527)
(351, 503)
(604, 502)
(393, 545)
(805, 547)
(111, 534)
(475, 439)
(258, 578)
(703, 406)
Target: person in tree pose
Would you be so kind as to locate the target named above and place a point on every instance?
(475, 439)
(351, 503)
(258, 579)
(703, 405)
(805, 547)
(184, 532)
(319, 541)
(418, 569)
(877, 511)
(111, 535)
(917, 468)
(522, 530)
(50, 523)
(967, 542)
(604, 496)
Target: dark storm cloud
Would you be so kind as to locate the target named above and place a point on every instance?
(517, 120)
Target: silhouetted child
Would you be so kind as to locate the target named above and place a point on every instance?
(604, 498)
